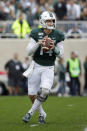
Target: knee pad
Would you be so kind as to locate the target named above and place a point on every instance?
(45, 91)
(43, 94)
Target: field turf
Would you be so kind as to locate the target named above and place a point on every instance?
(63, 114)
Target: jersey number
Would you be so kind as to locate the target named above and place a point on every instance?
(49, 52)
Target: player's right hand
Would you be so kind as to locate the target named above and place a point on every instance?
(42, 41)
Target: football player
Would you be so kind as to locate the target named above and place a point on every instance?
(41, 73)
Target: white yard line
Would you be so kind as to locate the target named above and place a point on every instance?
(33, 125)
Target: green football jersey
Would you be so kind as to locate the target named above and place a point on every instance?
(45, 58)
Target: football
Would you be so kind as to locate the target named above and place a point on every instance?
(47, 44)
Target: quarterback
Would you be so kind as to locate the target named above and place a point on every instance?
(45, 44)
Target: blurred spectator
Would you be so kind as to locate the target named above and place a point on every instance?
(25, 66)
(74, 32)
(25, 4)
(60, 9)
(61, 77)
(7, 9)
(49, 5)
(33, 7)
(20, 27)
(3, 2)
(1, 29)
(85, 76)
(2, 12)
(41, 3)
(30, 18)
(79, 84)
(25, 80)
(84, 14)
(14, 71)
(37, 15)
(12, 9)
(19, 10)
(74, 70)
(73, 10)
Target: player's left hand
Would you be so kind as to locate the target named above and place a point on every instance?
(51, 44)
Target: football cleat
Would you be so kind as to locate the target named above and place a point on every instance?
(26, 118)
(41, 120)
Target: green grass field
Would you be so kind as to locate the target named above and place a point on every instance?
(63, 114)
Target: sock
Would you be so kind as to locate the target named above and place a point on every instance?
(41, 111)
(34, 107)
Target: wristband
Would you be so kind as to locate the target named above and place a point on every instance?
(56, 51)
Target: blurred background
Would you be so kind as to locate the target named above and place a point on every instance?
(71, 18)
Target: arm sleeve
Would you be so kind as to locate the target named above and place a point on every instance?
(32, 47)
(60, 47)
(33, 34)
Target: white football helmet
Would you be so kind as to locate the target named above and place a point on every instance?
(46, 15)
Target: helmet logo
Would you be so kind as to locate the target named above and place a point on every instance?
(51, 15)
